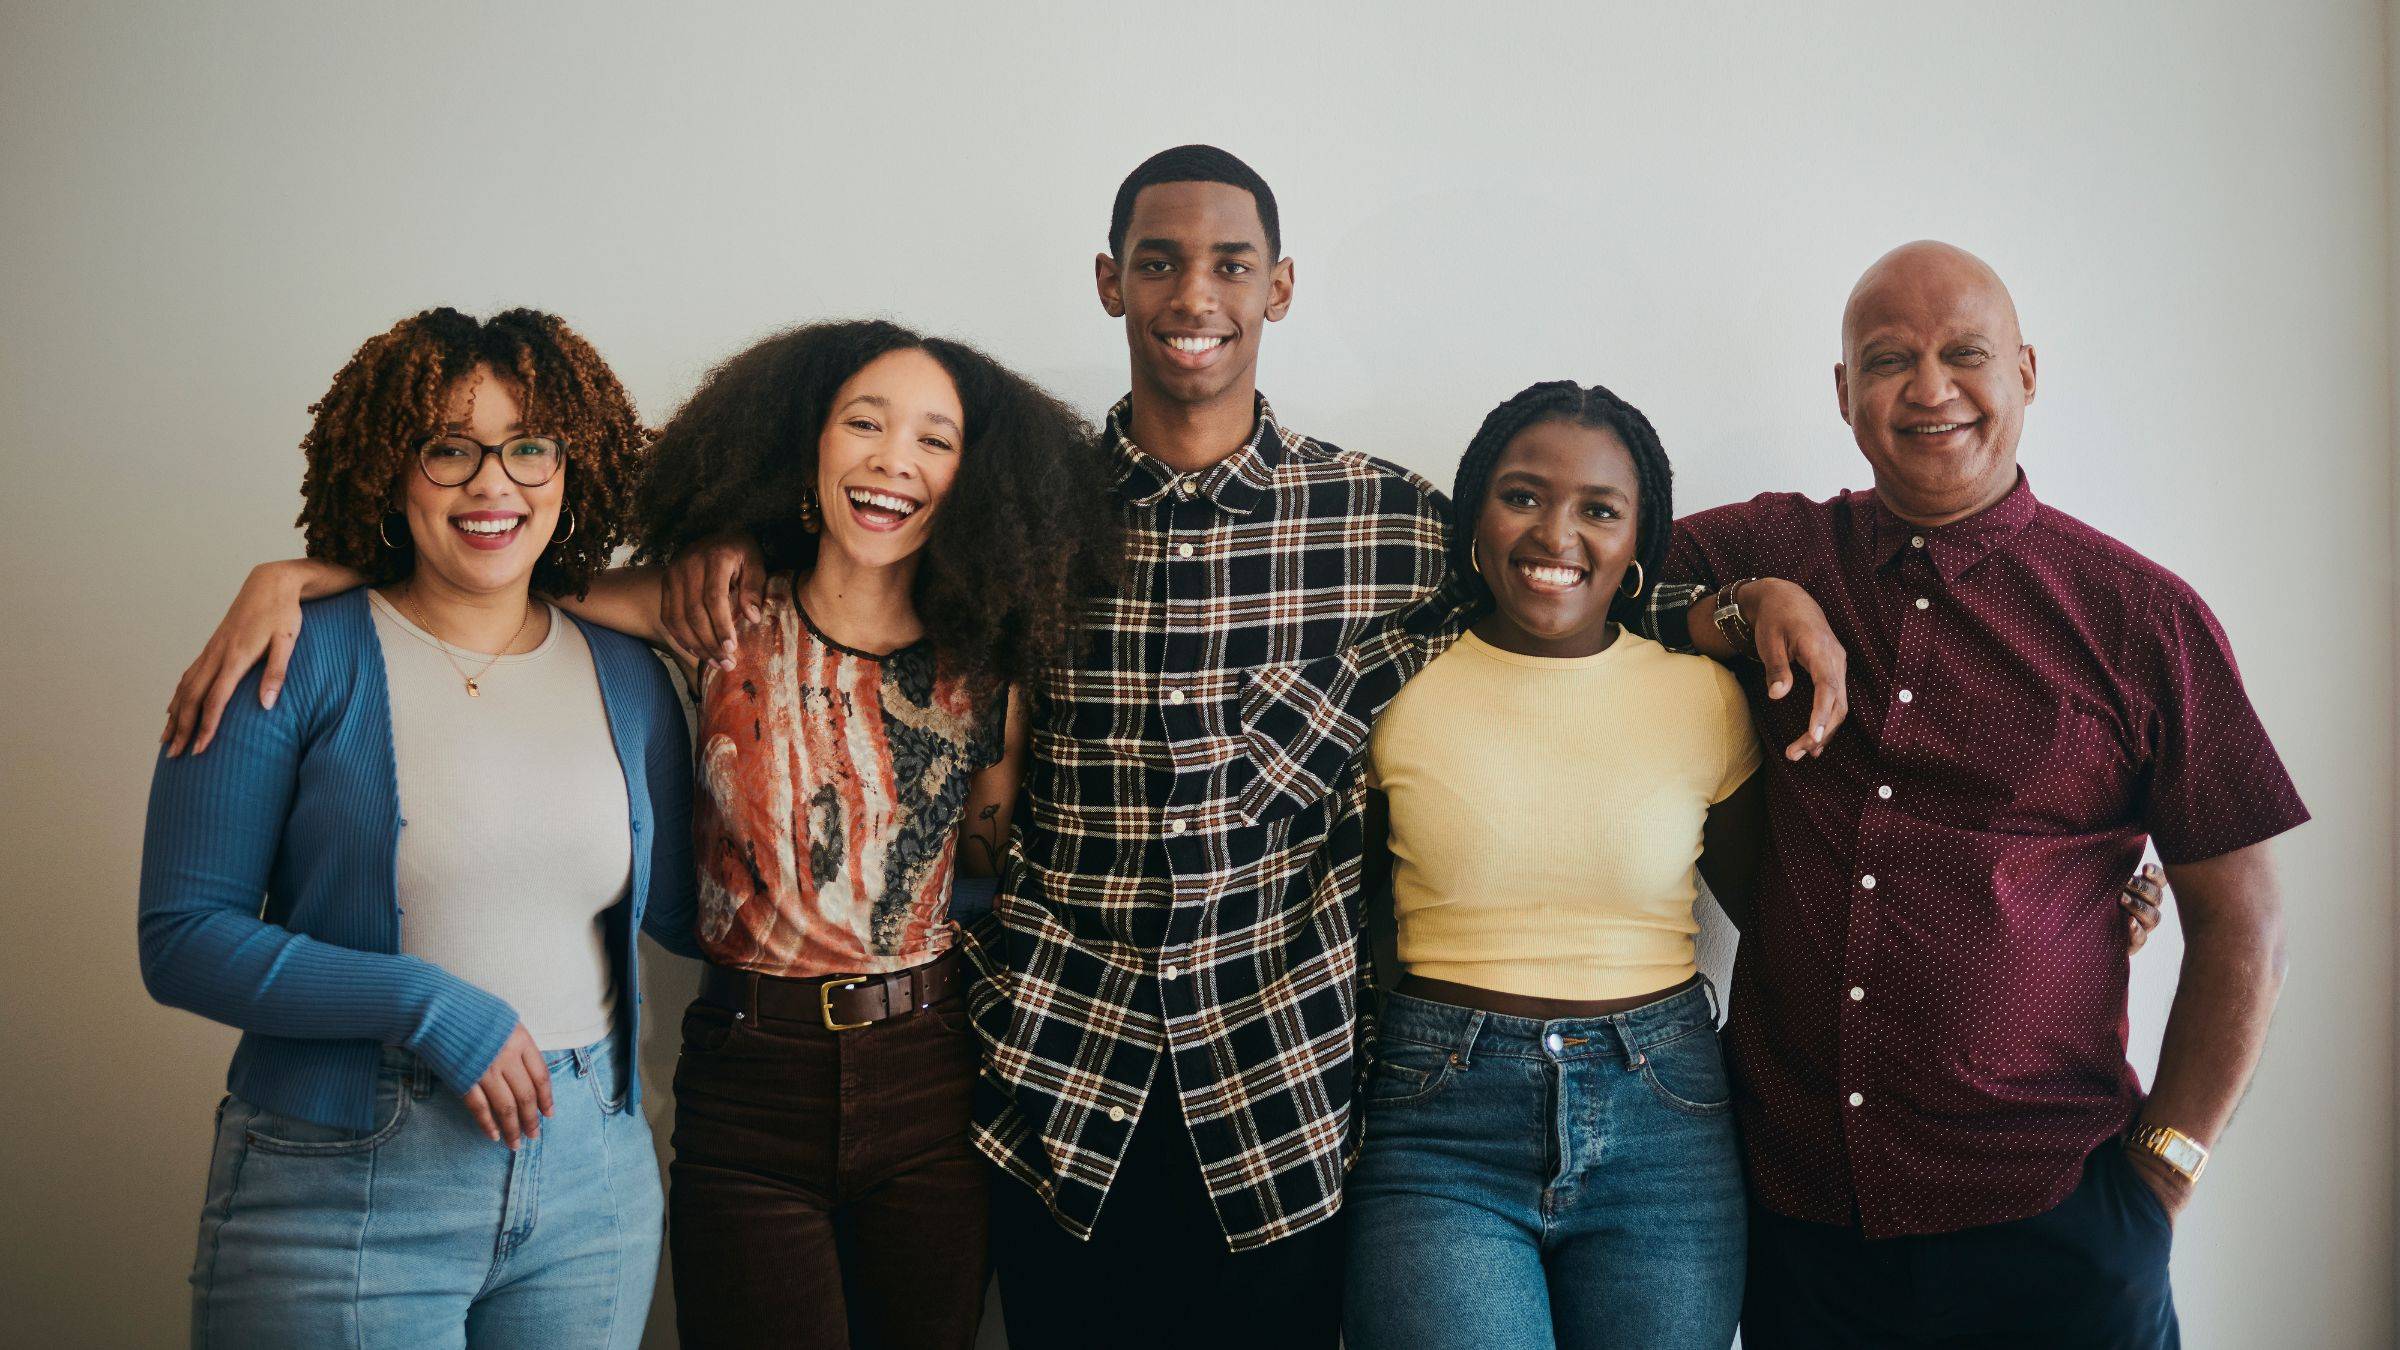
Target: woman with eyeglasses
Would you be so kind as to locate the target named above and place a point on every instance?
(460, 808)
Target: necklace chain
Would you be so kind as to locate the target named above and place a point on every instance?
(473, 689)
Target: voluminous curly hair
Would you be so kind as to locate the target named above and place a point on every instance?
(1026, 530)
(1565, 401)
(391, 397)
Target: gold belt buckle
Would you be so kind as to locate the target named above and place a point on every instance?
(825, 993)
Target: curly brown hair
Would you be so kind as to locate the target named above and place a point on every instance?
(1027, 531)
(391, 397)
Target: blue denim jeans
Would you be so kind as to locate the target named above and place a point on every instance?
(424, 1232)
(1537, 1184)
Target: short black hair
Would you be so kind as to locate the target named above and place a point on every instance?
(1565, 401)
(1193, 164)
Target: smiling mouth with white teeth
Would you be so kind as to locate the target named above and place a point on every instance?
(1197, 349)
(1552, 577)
(1935, 428)
(488, 529)
(881, 510)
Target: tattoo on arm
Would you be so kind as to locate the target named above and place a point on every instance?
(986, 839)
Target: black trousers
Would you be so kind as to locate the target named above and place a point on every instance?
(2091, 1272)
(1156, 1272)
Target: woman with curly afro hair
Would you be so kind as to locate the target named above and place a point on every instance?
(924, 521)
(461, 807)
(927, 520)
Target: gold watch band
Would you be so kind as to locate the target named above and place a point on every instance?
(2188, 1156)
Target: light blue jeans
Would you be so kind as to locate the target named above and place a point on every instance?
(424, 1232)
(1527, 1185)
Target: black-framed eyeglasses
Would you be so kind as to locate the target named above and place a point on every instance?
(453, 461)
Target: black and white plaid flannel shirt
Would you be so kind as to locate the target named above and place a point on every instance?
(1184, 882)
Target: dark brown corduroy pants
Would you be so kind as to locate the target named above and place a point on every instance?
(824, 1191)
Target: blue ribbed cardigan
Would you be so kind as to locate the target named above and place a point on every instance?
(300, 805)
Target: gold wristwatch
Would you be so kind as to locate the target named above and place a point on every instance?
(2188, 1156)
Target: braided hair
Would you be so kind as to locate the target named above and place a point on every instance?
(1564, 401)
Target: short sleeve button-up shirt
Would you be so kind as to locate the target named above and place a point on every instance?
(1929, 1015)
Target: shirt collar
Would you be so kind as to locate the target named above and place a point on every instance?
(1233, 484)
(1953, 548)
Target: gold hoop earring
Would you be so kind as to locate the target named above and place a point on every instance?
(562, 538)
(1640, 580)
(383, 531)
(1474, 560)
(812, 513)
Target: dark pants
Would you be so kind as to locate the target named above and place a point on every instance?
(1156, 1272)
(2091, 1272)
(824, 1191)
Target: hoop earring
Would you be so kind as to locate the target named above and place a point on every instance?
(1640, 580)
(812, 513)
(383, 531)
(1474, 562)
(562, 538)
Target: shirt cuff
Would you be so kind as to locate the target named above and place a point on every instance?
(1666, 619)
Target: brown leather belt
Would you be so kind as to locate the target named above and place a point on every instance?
(840, 1002)
(1525, 1005)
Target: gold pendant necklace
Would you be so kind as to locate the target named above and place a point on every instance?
(474, 690)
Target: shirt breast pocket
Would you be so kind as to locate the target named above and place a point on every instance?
(1298, 735)
(2055, 766)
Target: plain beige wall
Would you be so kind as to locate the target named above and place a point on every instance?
(205, 207)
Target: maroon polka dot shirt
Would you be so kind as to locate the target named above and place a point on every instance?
(1929, 1015)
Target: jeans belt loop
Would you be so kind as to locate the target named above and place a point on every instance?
(1634, 1058)
(1465, 1053)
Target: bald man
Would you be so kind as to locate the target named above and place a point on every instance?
(1946, 1144)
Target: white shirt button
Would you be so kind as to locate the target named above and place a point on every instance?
(1923, 603)
(1183, 550)
(1857, 993)
(1186, 486)
(1858, 1099)
(1555, 1041)
(1908, 696)
(1178, 827)
(1117, 1113)
(1171, 972)
(1175, 696)
(1916, 541)
(1868, 881)
(1884, 792)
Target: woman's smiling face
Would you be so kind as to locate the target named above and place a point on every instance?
(887, 456)
(1557, 530)
(484, 535)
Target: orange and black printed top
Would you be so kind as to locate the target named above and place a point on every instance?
(831, 782)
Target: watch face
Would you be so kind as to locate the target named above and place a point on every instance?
(2182, 1152)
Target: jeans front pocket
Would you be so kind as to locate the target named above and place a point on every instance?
(1687, 1073)
(707, 1028)
(1407, 1073)
(274, 1132)
(605, 1069)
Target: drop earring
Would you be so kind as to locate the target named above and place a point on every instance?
(812, 514)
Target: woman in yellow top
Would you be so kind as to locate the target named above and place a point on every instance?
(1550, 1156)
